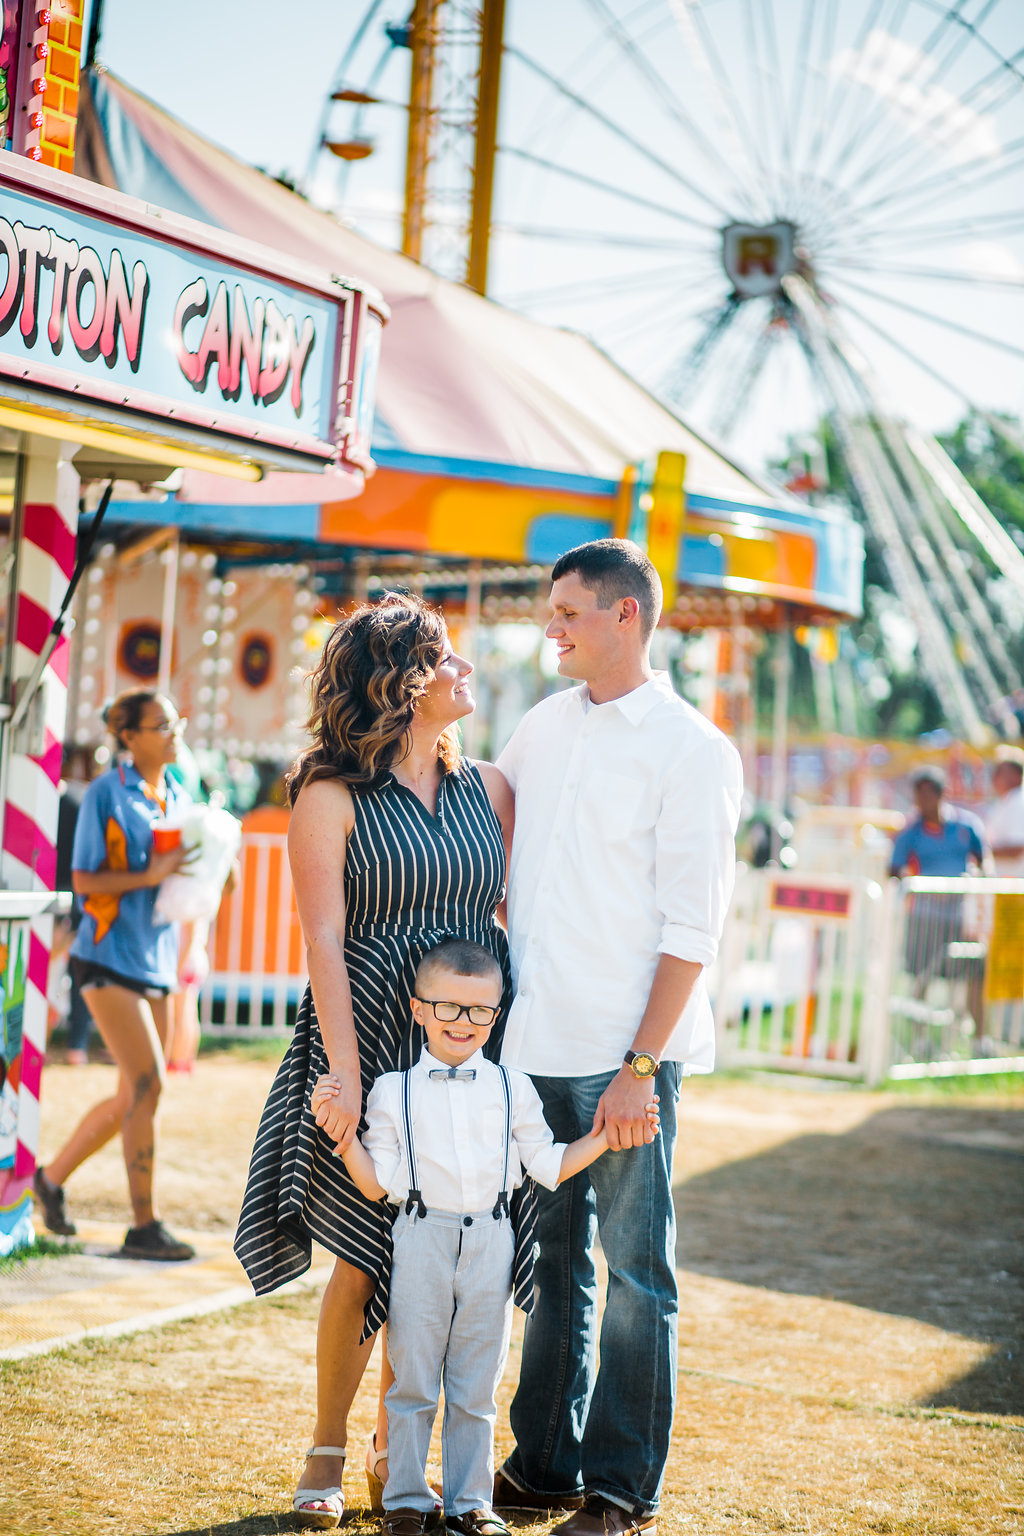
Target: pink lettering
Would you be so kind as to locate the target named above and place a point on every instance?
(9, 297)
(216, 341)
(125, 306)
(192, 301)
(275, 370)
(246, 343)
(65, 255)
(86, 333)
(36, 245)
(298, 353)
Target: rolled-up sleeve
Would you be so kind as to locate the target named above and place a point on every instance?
(539, 1153)
(695, 852)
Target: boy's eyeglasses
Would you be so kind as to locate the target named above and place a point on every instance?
(450, 1013)
(166, 727)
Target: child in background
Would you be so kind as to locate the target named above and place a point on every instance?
(446, 1143)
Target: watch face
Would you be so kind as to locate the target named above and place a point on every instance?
(643, 1065)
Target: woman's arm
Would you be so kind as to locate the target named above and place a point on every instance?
(318, 833)
(114, 882)
(503, 804)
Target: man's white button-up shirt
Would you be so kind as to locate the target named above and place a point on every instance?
(459, 1135)
(624, 850)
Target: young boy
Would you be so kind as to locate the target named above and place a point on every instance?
(444, 1145)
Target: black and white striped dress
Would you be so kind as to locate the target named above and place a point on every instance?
(411, 879)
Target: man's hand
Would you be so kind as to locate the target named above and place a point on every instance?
(623, 1110)
(336, 1106)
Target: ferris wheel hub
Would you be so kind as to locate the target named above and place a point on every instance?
(757, 257)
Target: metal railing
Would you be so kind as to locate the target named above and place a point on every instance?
(855, 979)
(956, 998)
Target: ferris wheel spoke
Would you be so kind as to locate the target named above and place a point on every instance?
(864, 110)
(804, 66)
(758, 95)
(921, 59)
(617, 130)
(642, 65)
(923, 314)
(678, 383)
(996, 423)
(741, 142)
(835, 96)
(632, 326)
(882, 238)
(915, 199)
(940, 274)
(616, 282)
(890, 163)
(529, 158)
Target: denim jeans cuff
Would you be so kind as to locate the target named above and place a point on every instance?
(513, 1475)
(637, 1508)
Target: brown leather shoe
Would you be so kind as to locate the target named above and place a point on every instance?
(508, 1496)
(477, 1522)
(600, 1517)
(408, 1522)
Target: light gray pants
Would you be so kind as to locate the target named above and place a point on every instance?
(449, 1319)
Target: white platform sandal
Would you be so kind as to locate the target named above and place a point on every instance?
(376, 1474)
(320, 1509)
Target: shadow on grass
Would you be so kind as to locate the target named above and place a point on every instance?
(917, 1212)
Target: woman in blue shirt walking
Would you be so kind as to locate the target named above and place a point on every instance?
(126, 959)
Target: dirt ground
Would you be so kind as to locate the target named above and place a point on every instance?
(851, 1339)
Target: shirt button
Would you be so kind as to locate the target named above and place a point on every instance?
(467, 1221)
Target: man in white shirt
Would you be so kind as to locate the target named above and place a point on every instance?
(621, 872)
(1004, 823)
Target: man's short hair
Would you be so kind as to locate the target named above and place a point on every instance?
(612, 569)
(1012, 757)
(462, 956)
(928, 774)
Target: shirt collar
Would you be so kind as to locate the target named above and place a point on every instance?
(635, 705)
(430, 1063)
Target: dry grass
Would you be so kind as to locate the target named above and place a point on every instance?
(851, 1291)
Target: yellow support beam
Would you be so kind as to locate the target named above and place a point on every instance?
(492, 28)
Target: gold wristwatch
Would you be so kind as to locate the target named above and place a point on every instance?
(641, 1063)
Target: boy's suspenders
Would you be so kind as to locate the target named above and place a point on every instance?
(415, 1201)
(415, 1198)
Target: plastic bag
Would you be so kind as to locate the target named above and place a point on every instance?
(194, 892)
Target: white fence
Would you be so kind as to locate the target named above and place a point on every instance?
(855, 979)
(835, 976)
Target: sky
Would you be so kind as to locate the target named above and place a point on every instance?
(883, 128)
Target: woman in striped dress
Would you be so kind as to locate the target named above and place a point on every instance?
(395, 841)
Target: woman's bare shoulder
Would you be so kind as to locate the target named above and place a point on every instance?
(324, 804)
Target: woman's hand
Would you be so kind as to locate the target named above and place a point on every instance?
(337, 1106)
(163, 864)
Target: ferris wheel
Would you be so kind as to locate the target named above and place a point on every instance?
(775, 211)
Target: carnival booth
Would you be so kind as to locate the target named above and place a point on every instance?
(133, 343)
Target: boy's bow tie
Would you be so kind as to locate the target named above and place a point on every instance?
(453, 1074)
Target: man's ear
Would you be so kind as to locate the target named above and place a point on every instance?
(629, 611)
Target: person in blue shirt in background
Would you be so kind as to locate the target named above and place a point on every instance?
(941, 840)
(126, 959)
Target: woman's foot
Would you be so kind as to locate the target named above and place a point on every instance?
(376, 1474)
(318, 1501)
(51, 1205)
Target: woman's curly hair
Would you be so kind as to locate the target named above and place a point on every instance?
(375, 665)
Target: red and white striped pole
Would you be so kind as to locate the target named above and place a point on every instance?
(45, 559)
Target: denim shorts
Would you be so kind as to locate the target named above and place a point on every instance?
(89, 974)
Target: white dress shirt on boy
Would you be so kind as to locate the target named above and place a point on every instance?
(624, 848)
(459, 1135)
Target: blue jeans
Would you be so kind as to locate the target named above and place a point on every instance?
(577, 1428)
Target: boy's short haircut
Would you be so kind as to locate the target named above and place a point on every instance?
(463, 956)
(612, 569)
